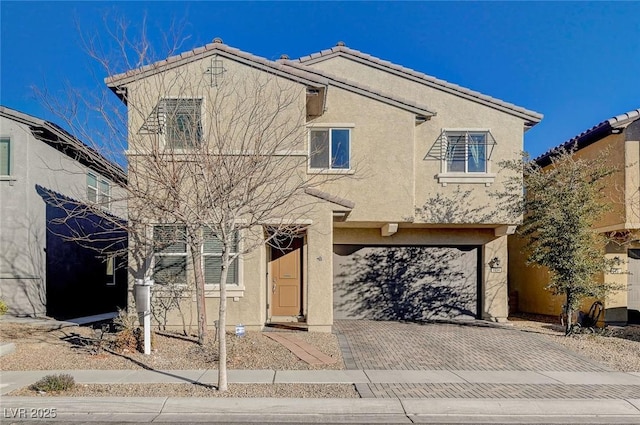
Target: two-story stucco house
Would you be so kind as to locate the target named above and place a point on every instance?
(408, 231)
(46, 173)
(620, 137)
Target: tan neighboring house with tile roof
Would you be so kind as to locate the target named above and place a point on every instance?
(621, 136)
(410, 231)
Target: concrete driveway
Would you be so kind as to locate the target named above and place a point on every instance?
(370, 344)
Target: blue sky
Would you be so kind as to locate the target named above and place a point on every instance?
(577, 63)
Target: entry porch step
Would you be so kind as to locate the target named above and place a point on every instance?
(303, 350)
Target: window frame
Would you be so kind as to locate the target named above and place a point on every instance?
(7, 140)
(330, 128)
(206, 254)
(104, 195)
(184, 254)
(467, 134)
(110, 270)
(446, 176)
(168, 120)
(100, 193)
(94, 188)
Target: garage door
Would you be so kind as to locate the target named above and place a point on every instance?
(405, 282)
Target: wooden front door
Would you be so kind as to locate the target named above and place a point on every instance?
(286, 279)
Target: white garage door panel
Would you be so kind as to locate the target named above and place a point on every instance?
(405, 283)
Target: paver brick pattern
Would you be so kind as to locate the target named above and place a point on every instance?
(370, 344)
(557, 391)
(409, 346)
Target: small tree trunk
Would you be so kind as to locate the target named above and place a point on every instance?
(568, 312)
(200, 299)
(222, 324)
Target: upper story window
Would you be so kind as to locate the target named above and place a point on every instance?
(183, 122)
(5, 156)
(465, 156)
(466, 152)
(170, 254)
(330, 148)
(98, 190)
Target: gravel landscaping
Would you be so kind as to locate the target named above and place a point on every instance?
(76, 348)
(616, 347)
(191, 390)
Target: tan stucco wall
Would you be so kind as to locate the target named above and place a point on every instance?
(452, 112)
(614, 192)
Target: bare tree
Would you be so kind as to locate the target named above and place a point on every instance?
(217, 164)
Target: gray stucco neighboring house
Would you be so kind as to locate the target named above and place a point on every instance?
(44, 173)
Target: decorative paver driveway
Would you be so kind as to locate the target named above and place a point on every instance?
(372, 345)
(391, 345)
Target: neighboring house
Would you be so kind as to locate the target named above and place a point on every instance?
(45, 175)
(412, 232)
(619, 135)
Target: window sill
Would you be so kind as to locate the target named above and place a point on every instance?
(472, 178)
(233, 291)
(8, 178)
(329, 171)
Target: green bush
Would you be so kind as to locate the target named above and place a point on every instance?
(52, 383)
(3, 307)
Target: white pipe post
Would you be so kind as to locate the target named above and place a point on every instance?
(147, 332)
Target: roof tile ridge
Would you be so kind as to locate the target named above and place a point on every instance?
(610, 122)
(421, 75)
(624, 116)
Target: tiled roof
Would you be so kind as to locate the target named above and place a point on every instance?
(296, 72)
(216, 47)
(329, 197)
(60, 139)
(592, 135)
(531, 117)
(364, 89)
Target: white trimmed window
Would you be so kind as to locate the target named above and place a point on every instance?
(466, 156)
(330, 149)
(212, 260)
(92, 187)
(98, 190)
(466, 152)
(170, 254)
(182, 122)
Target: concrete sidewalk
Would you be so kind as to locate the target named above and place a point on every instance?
(11, 380)
(620, 408)
(265, 410)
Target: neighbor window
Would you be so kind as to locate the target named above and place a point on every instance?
(466, 152)
(212, 261)
(183, 122)
(98, 190)
(170, 254)
(92, 187)
(5, 156)
(111, 270)
(330, 148)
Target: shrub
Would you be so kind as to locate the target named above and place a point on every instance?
(126, 340)
(51, 383)
(3, 307)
